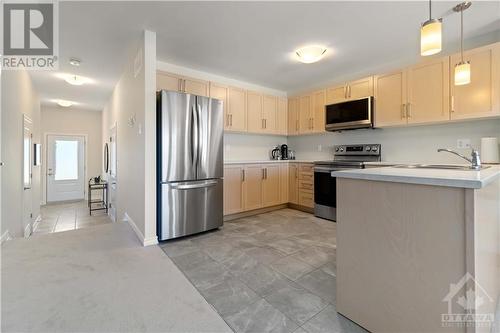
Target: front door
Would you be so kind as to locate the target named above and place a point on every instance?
(27, 176)
(65, 168)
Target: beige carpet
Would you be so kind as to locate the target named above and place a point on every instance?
(98, 279)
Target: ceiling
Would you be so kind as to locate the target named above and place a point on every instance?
(252, 41)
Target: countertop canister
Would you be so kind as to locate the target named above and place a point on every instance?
(489, 150)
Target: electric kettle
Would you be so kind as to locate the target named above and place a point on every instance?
(276, 153)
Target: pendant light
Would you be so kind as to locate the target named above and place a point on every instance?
(430, 35)
(462, 69)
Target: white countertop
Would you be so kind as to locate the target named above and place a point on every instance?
(436, 177)
(268, 161)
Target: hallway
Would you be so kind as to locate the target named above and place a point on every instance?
(68, 216)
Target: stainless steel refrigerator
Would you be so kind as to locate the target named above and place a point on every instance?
(190, 164)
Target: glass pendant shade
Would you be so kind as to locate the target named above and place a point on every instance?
(430, 37)
(462, 73)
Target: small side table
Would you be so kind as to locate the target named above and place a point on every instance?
(101, 204)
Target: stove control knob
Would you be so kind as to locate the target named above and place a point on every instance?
(368, 148)
(336, 149)
(341, 149)
(374, 148)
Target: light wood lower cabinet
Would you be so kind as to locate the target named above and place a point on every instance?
(306, 185)
(293, 189)
(253, 186)
(233, 189)
(271, 185)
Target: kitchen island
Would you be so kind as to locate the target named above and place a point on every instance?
(415, 245)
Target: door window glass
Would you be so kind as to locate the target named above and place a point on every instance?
(66, 160)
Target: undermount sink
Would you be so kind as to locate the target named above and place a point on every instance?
(439, 166)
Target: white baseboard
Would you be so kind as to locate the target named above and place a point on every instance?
(27, 230)
(37, 222)
(145, 241)
(5, 237)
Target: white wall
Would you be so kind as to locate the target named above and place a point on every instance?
(73, 121)
(246, 147)
(134, 97)
(403, 144)
(18, 97)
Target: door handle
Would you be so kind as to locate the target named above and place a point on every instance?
(408, 110)
(345, 92)
(194, 186)
(27, 188)
(452, 103)
(263, 171)
(403, 111)
(349, 88)
(243, 175)
(231, 119)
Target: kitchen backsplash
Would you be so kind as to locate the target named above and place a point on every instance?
(402, 144)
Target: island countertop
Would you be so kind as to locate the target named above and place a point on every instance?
(436, 177)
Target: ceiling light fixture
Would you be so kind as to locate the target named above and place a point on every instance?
(462, 69)
(310, 54)
(430, 35)
(64, 103)
(75, 62)
(73, 79)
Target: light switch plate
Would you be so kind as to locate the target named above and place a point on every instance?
(463, 143)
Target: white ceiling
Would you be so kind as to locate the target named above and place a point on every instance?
(252, 41)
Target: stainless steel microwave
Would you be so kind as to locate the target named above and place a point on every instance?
(351, 114)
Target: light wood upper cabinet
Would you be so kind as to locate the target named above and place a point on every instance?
(167, 81)
(481, 97)
(318, 111)
(233, 189)
(305, 119)
(428, 92)
(390, 99)
(253, 187)
(236, 109)
(270, 114)
(350, 90)
(221, 92)
(255, 123)
(293, 116)
(271, 185)
(293, 184)
(282, 116)
(196, 87)
(360, 88)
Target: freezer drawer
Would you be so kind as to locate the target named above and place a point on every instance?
(190, 207)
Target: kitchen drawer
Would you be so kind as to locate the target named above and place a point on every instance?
(305, 185)
(308, 168)
(306, 199)
(306, 176)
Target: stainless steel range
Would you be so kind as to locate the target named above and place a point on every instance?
(325, 186)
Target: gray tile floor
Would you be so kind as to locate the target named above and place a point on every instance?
(273, 272)
(68, 216)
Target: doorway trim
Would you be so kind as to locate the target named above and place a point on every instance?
(45, 159)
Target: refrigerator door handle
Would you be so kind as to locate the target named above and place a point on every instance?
(198, 133)
(204, 184)
(194, 135)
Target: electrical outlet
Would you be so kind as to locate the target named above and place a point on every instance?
(320, 147)
(463, 143)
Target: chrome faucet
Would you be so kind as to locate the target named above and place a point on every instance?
(475, 160)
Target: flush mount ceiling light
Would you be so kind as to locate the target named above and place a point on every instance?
(63, 103)
(74, 79)
(75, 62)
(310, 54)
(462, 69)
(430, 35)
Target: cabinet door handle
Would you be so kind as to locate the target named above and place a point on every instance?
(452, 103)
(345, 92)
(349, 87)
(263, 173)
(403, 111)
(408, 110)
(265, 123)
(243, 175)
(231, 119)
